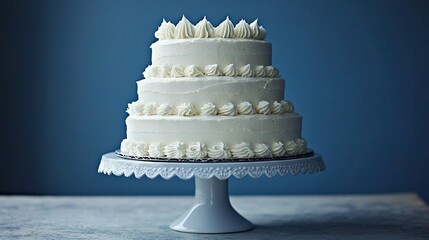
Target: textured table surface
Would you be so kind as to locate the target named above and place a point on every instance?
(398, 216)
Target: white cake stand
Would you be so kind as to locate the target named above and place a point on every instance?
(212, 211)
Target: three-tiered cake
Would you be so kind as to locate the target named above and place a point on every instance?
(212, 93)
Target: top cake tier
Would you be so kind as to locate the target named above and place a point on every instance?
(203, 44)
(220, 51)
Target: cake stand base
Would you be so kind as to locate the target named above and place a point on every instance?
(212, 211)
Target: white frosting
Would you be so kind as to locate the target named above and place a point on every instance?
(186, 109)
(166, 109)
(242, 30)
(156, 150)
(277, 108)
(184, 29)
(217, 90)
(296, 146)
(135, 108)
(165, 31)
(230, 70)
(246, 71)
(209, 130)
(261, 33)
(242, 150)
(219, 150)
(208, 109)
(164, 71)
(263, 108)
(227, 109)
(207, 51)
(225, 29)
(222, 80)
(255, 29)
(193, 71)
(150, 72)
(262, 150)
(278, 149)
(212, 70)
(246, 108)
(204, 29)
(196, 150)
(287, 106)
(175, 150)
(178, 70)
(150, 109)
(259, 71)
(271, 71)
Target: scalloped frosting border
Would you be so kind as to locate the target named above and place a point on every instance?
(211, 70)
(138, 108)
(204, 29)
(220, 150)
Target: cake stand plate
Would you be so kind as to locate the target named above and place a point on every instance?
(211, 211)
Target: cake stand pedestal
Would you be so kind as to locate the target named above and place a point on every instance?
(211, 211)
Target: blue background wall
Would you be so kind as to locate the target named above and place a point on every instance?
(356, 70)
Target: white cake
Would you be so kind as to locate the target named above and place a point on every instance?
(212, 93)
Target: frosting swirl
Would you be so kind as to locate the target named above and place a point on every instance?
(245, 108)
(150, 109)
(204, 29)
(196, 150)
(246, 71)
(291, 147)
(255, 29)
(141, 150)
(242, 150)
(263, 108)
(225, 29)
(271, 71)
(287, 106)
(126, 146)
(165, 109)
(193, 71)
(150, 72)
(278, 149)
(186, 109)
(262, 33)
(135, 108)
(242, 30)
(212, 70)
(262, 150)
(165, 31)
(259, 71)
(175, 150)
(301, 145)
(156, 150)
(277, 108)
(228, 109)
(178, 71)
(184, 29)
(208, 109)
(219, 151)
(164, 71)
(230, 70)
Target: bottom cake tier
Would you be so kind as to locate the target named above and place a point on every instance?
(197, 137)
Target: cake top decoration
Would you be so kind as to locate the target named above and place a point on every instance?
(204, 29)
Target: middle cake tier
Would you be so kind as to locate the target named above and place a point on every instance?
(216, 90)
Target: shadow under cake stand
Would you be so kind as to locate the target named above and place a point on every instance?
(211, 211)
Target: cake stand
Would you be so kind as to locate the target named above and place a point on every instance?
(211, 211)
